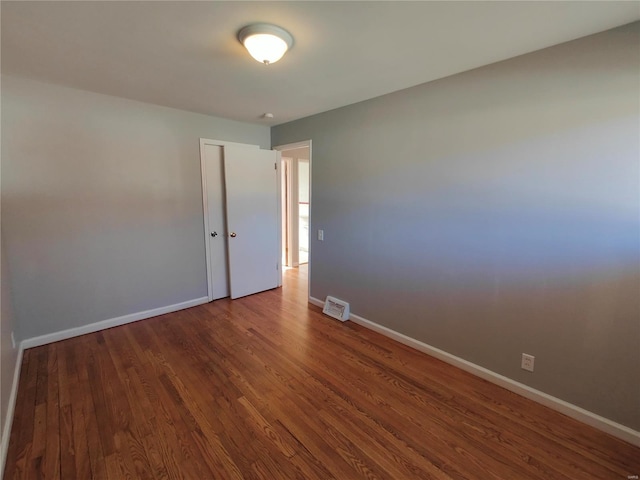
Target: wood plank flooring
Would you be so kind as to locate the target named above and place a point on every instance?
(266, 387)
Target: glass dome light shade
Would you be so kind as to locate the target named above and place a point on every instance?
(266, 43)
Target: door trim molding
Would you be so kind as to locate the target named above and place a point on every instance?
(292, 146)
(293, 255)
(205, 204)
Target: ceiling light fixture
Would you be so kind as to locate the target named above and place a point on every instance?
(266, 43)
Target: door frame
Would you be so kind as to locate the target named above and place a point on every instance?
(292, 223)
(292, 146)
(205, 202)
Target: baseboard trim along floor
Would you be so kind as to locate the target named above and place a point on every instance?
(112, 322)
(601, 423)
(8, 421)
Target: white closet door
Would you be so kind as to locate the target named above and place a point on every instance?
(251, 187)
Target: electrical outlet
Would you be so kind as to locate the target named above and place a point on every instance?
(321, 235)
(527, 362)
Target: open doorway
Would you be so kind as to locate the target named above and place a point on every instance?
(296, 205)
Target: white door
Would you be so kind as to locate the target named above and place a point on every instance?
(251, 187)
(217, 222)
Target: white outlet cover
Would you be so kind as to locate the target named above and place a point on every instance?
(527, 362)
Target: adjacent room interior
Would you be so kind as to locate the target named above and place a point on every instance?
(465, 175)
(295, 191)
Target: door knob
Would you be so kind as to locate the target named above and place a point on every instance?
(232, 234)
(214, 234)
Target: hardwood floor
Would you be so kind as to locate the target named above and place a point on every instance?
(266, 387)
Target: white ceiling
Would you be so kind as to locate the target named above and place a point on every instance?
(185, 54)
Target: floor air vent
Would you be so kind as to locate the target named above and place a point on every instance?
(337, 309)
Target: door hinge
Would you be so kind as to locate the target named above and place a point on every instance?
(276, 266)
(275, 166)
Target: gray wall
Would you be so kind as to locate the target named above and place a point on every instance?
(102, 203)
(8, 354)
(495, 212)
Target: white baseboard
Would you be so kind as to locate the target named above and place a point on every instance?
(604, 424)
(316, 302)
(8, 420)
(112, 322)
(69, 333)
